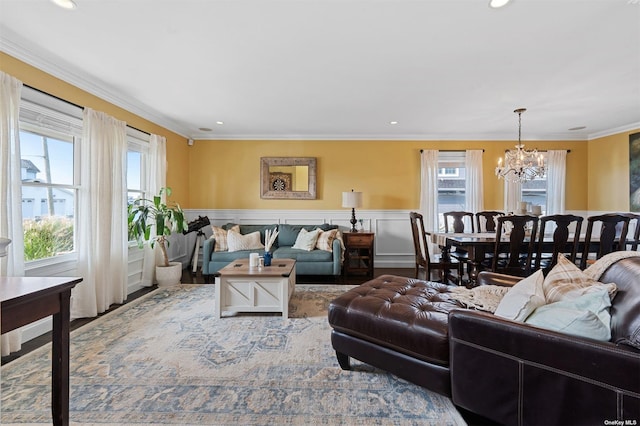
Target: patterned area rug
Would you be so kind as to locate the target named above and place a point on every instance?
(165, 359)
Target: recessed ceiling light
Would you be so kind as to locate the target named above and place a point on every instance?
(578, 128)
(498, 3)
(205, 129)
(219, 123)
(67, 4)
(393, 122)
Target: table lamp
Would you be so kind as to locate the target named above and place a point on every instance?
(352, 200)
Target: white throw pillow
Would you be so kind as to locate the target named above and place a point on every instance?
(585, 316)
(523, 298)
(566, 281)
(236, 241)
(306, 240)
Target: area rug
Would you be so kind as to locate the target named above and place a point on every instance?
(166, 359)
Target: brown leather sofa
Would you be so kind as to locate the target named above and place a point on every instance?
(509, 372)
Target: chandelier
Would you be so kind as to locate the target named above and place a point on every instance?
(520, 165)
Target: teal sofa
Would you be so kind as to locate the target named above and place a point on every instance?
(314, 262)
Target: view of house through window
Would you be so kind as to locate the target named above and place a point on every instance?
(48, 193)
(535, 191)
(451, 183)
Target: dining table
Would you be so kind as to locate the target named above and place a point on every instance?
(478, 244)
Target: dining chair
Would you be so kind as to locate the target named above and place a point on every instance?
(485, 220)
(458, 223)
(562, 241)
(443, 264)
(513, 257)
(634, 244)
(612, 236)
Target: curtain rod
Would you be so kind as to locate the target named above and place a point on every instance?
(450, 150)
(542, 150)
(463, 150)
(75, 104)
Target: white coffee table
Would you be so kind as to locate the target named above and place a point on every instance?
(240, 288)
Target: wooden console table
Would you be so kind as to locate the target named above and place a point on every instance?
(28, 299)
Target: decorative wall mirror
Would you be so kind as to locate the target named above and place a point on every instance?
(288, 178)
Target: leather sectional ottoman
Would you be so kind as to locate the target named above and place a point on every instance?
(397, 324)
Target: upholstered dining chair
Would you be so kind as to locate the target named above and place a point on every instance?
(514, 257)
(457, 221)
(431, 262)
(562, 241)
(485, 220)
(612, 236)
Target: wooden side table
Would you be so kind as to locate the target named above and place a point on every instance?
(358, 256)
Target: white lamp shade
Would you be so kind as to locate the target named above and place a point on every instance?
(351, 199)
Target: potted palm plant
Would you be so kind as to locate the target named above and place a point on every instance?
(154, 221)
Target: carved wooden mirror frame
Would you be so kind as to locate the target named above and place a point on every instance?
(266, 189)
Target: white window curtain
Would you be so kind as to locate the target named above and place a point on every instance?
(10, 192)
(156, 179)
(556, 178)
(512, 196)
(102, 217)
(474, 201)
(429, 188)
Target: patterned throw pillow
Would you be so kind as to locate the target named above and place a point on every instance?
(566, 281)
(306, 240)
(220, 235)
(236, 241)
(325, 239)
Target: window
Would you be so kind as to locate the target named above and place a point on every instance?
(50, 131)
(535, 191)
(451, 183)
(138, 147)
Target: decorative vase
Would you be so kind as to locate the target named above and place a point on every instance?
(267, 258)
(169, 275)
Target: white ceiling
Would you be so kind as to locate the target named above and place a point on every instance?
(344, 69)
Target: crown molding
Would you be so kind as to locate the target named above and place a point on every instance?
(394, 137)
(12, 44)
(621, 129)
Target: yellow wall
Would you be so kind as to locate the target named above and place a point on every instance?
(608, 177)
(177, 153)
(226, 174)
